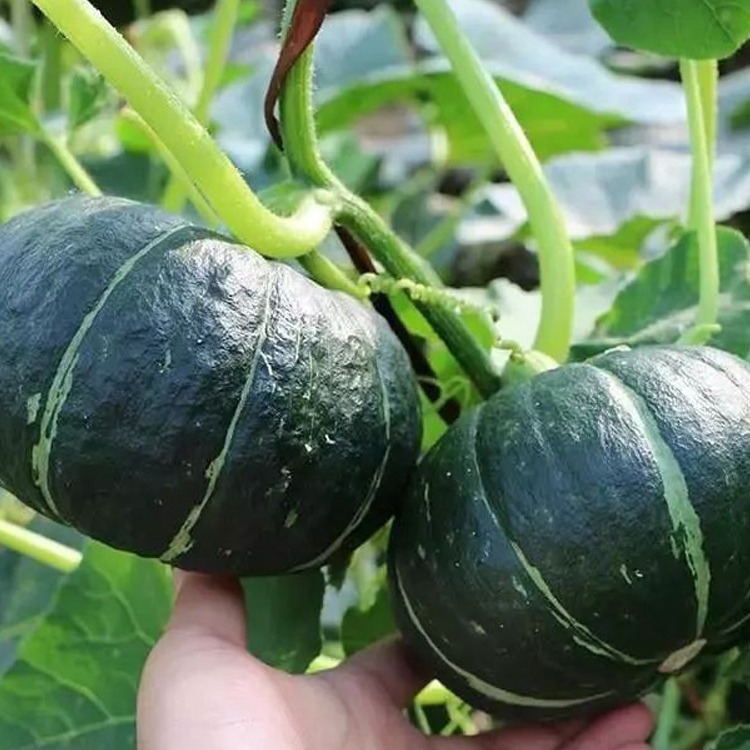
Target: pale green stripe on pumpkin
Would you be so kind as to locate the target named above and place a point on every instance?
(580, 633)
(736, 625)
(687, 536)
(364, 509)
(743, 618)
(183, 540)
(63, 380)
(481, 686)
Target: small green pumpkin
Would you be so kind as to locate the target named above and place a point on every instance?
(175, 395)
(583, 534)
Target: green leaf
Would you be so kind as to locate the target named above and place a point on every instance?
(518, 311)
(89, 94)
(284, 619)
(564, 101)
(737, 738)
(27, 589)
(740, 118)
(74, 683)
(16, 83)
(660, 304)
(697, 29)
(614, 199)
(360, 629)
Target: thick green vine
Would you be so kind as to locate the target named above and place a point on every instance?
(398, 259)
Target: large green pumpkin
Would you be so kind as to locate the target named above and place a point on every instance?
(175, 395)
(123, 12)
(583, 534)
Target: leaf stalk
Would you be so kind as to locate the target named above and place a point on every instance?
(556, 257)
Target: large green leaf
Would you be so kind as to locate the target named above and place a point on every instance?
(518, 311)
(514, 51)
(74, 683)
(27, 589)
(564, 101)
(660, 304)
(737, 738)
(16, 83)
(570, 24)
(614, 199)
(699, 29)
(284, 619)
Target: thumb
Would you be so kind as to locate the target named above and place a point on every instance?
(208, 607)
(198, 670)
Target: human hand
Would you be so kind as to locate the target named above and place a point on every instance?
(201, 690)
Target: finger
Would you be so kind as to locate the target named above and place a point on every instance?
(626, 726)
(516, 738)
(385, 668)
(209, 606)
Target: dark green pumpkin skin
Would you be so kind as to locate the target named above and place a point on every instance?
(582, 534)
(177, 396)
(124, 12)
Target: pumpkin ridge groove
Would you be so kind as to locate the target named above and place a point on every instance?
(364, 509)
(183, 541)
(580, 633)
(687, 534)
(62, 381)
(481, 686)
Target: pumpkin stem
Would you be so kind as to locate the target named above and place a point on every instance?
(364, 225)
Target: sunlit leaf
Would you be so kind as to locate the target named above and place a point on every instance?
(614, 199)
(698, 29)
